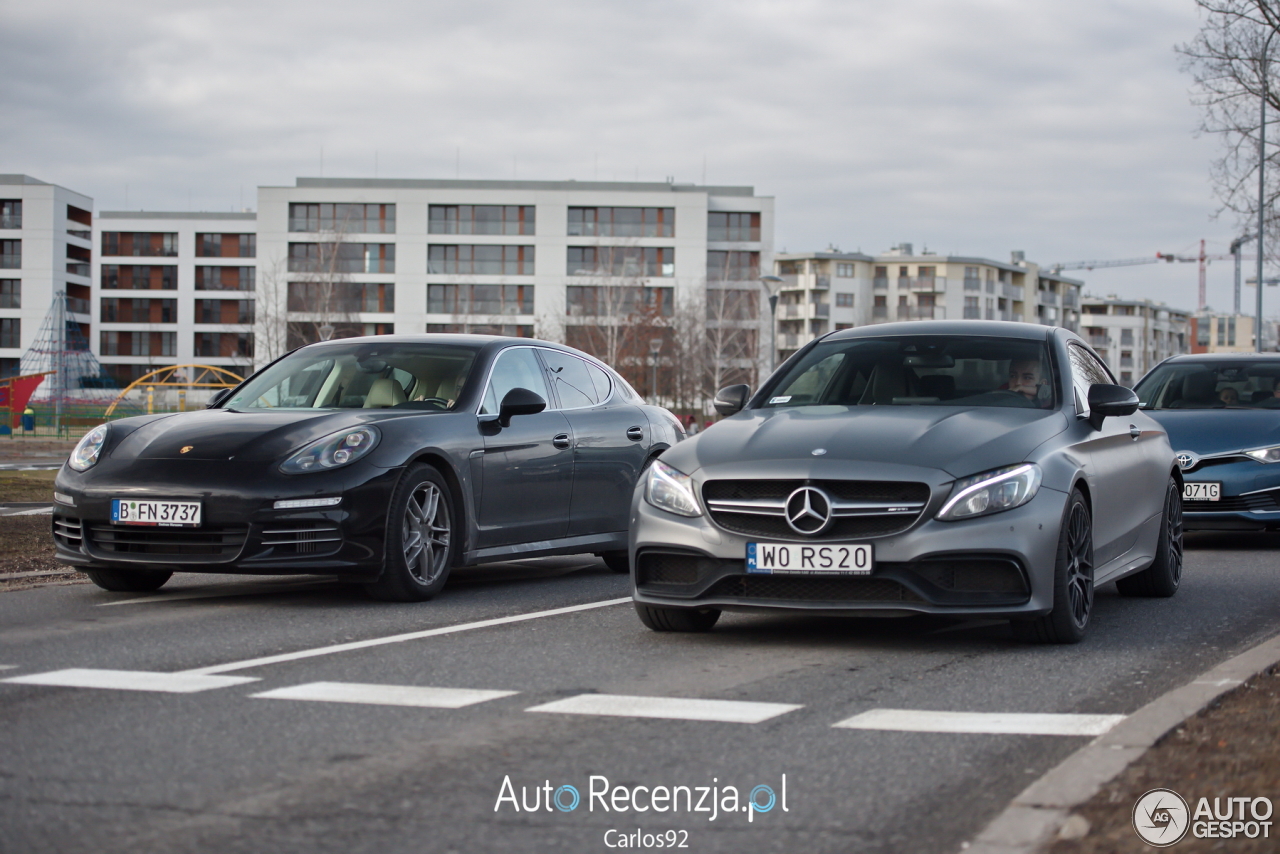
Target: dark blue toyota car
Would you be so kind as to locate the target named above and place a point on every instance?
(1222, 414)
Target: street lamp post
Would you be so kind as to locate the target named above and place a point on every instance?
(655, 347)
(1262, 169)
(771, 284)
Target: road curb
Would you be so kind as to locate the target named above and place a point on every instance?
(1035, 816)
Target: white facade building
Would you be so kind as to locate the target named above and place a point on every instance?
(45, 248)
(173, 288)
(825, 291)
(534, 258)
(1133, 336)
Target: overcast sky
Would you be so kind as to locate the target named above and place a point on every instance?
(971, 127)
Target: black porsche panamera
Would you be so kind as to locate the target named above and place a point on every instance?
(386, 460)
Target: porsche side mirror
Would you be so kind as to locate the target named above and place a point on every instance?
(731, 399)
(519, 401)
(218, 396)
(1108, 400)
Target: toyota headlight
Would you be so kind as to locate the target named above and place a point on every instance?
(1265, 455)
(88, 448)
(331, 452)
(991, 492)
(670, 490)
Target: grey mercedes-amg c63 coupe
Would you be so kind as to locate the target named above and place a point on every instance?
(981, 469)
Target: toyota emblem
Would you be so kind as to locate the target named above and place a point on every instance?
(808, 511)
(1186, 460)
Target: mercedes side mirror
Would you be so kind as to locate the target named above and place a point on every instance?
(1108, 400)
(217, 398)
(519, 401)
(731, 399)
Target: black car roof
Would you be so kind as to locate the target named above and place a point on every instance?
(1224, 357)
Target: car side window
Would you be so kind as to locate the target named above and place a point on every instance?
(600, 378)
(516, 368)
(572, 382)
(1086, 371)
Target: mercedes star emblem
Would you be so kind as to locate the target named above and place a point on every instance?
(808, 510)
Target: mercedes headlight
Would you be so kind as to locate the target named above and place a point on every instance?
(991, 492)
(331, 452)
(88, 448)
(1265, 455)
(670, 490)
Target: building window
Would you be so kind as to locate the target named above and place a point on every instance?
(224, 311)
(626, 261)
(733, 266)
(343, 218)
(1231, 332)
(618, 301)
(1126, 337)
(10, 293)
(116, 310)
(624, 222)
(324, 297)
(138, 343)
(10, 254)
(10, 332)
(224, 345)
(331, 258)
(226, 245)
(840, 326)
(482, 219)
(972, 281)
(10, 213)
(224, 278)
(480, 299)
(140, 243)
(844, 271)
(972, 308)
(140, 277)
(496, 260)
(844, 300)
(509, 330)
(723, 225)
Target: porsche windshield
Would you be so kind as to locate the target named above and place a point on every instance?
(920, 370)
(1243, 384)
(362, 376)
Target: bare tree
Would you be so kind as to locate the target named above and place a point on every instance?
(1233, 61)
(271, 312)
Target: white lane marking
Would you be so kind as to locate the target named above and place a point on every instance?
(671, 708)
(39, 511)
(385, 695)
(220, 594)
(130, 680)
(993, 723)
(8, 667)
(409, 636)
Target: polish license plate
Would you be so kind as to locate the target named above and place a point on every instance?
(804, 559)
(1199, 491)
(171, 514)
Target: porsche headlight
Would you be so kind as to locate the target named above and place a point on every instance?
(991, 492)
(87, 449)
(670, 490)
(1265, 455)
(331, 452)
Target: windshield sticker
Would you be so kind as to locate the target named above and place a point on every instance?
(783, 399)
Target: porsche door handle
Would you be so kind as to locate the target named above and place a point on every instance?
(635, 434)
(561, 441)
(1134, 432)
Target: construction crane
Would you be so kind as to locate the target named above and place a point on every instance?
(1168, 257)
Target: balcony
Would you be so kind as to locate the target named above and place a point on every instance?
(83, 234)
(880, 283)
(11, 221)
(921, 284)
(1011, 291)
(804, 311)
(972, 284)
(916, 312)
(1096, 341)
(792, 282)
(1048, 298)
(792, 341)
(880, 312)
(972, 312)
(76, 305)
(822, 283)
(78, 269)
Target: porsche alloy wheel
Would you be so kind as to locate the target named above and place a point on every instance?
(420, 541)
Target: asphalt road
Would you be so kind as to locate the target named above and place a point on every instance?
(222, 770)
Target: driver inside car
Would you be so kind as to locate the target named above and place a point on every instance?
(1026, 378)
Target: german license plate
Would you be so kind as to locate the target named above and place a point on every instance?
(803, 559)
(1199, 491)
(174, 514)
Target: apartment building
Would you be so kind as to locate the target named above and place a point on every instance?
(562, 260)
(1224, 333)
(174, 288)
(45, 248)
(824, 291)
(1132, 336)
